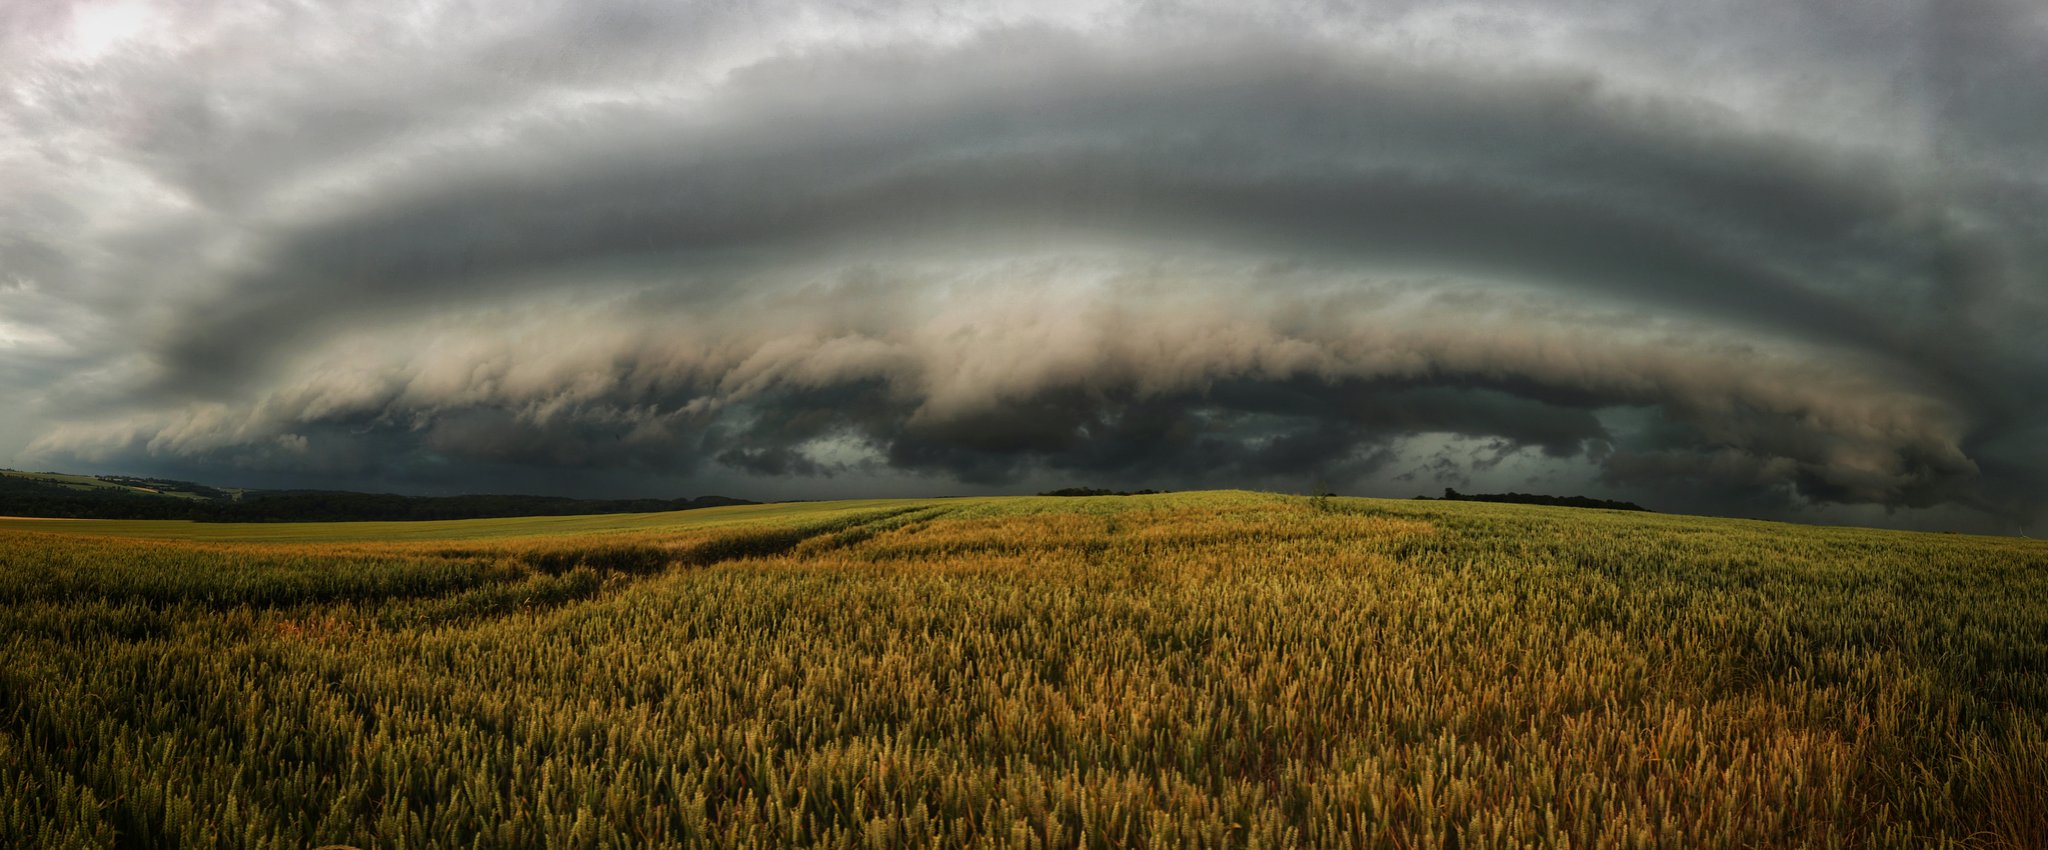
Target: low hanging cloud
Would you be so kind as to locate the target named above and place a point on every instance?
(1183, 245)
(1245, 374)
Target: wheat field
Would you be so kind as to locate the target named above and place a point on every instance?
(1222, 669)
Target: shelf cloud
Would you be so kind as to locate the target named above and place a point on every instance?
(1756, 259)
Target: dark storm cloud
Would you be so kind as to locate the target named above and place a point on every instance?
(1288, 148)
(1022, 370)
(1185, 245)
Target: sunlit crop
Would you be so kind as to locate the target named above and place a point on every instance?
(1213, 669)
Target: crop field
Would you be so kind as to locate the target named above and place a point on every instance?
(92, 482)
(1196, 669)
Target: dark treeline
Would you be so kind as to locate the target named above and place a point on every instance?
(22, 497)
(1095, 491)
(1451, 495)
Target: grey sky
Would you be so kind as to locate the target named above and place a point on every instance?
(1784, 259)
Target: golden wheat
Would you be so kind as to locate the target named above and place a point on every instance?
(1225, 669)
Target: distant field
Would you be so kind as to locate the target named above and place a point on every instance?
(93, 482)
(68, 480)
(456, 529)
(75, 482)
(1199, 669)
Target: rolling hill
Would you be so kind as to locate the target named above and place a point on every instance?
(62, 495)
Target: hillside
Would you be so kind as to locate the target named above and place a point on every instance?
(1189, 669)
(61, 495)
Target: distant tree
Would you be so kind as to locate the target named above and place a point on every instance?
(1538, 499)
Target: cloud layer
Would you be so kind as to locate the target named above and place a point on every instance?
(1763, 260)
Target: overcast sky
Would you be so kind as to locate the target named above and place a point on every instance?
(1781, 258)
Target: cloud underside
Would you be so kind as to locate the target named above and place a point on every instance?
(1034, 252)
(1168, 372)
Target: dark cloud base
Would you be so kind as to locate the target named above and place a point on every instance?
(659, 249)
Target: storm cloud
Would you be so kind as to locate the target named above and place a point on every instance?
(1778, 259)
